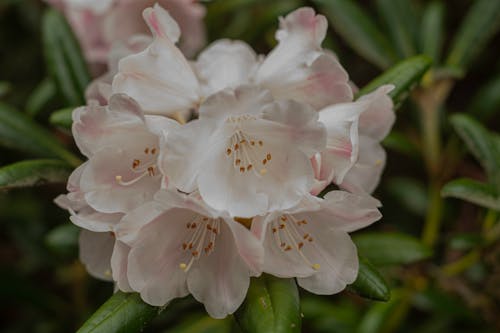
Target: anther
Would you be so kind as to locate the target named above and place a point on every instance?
(146, 151)
(261, 143)
(237, 162)
(268, 157)
(263, 171)
(153, 151)
(236, 146)
(316, 266)
(228, 151)
(182, 266)
(242, 169)
(249, 167)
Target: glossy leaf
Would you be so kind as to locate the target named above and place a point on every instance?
(17, 131)
(478, 27)
(359, 31)
(62, 118)
(409, 193)
(202, 324)
(486, 103)
(378, 317)
(431, 30)
(470, 190)
(370, 283)
(121, 313)
(272, 306)
(404, 76)
(400, 19)
(391, 248)
(33, 173)
(480, 144)
(64, 58)
(63, 239)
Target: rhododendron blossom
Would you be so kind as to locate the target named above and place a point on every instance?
(226, 191)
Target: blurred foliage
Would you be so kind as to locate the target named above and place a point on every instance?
(440, 257)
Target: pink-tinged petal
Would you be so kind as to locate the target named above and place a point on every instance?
(220, 280)
(249, 247)
(119, 263)
(337, 258)
(299, 69)
(153, 267)
(160, 79)
(365, 174)
(132, 223)
(225, 64)
(378, 119)
(95, 253)
(95, 127)
(159, 125)
(111, 185)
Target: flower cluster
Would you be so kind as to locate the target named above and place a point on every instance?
(202, 174)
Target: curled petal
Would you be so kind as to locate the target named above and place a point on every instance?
(377, 120)
(95, 253)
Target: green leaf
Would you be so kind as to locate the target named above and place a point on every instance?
(42, 94)
(370, 283)
(380, 317)
(63, 239)
(400, 18)
(480, 144)
(359, 31)
(17, 131)
(409, 193)
(202, 324)
(121, 313)
(5, 88)
(399, 142)
(64, 58)
(470, 190)
(431, 30)
(391, 248)
(404, 76)
(272, 305)
(62, 118)
(486, 103)
(33, 173)
(478, 27)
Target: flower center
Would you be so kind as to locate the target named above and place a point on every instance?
(248, 154)
(141, 167)
(200, 239)
(289, 235)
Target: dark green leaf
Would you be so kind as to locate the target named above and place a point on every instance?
(42, 94)
(63, 239)
(400, 143)
(202, 324)
(272, 306)
(325, 316)
(404, 76)
(5, 88)
(478, 27)
(359, 31)
(400, 19)
(481, 194)
(465, 241)
(391, 248)
(33, 173)
(410, 193)
(431, 34)
(487, 101)
(121, 313)
(62, 118)
(480, 144)
(370, 283)
(17, 131)
(378, 317)
(64, 58)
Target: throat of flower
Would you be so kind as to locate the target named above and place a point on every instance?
(289, 235)
(200, 239)
(246, 222)
(248, 154)
(141, 167)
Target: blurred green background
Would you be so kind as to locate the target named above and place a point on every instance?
(452, 281)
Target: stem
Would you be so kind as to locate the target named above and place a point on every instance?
(434, 214)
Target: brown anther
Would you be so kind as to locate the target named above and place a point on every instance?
(205, 218)
(288, 248)
(283, 244)
(153, 151)
(195, 253)
(151, 171)
(274, 230)
(268, 157)
(228, 151)
(282, 226)
(242, 169)
(261, 143)
(301, 244)
(237, 162)
(188, 225)
(136, 163)
(209, 227)
(283, 218)
(249, 167)
(190, 246)
(146, 151)
(264, 161)
(184, 246)
(193, 226)
(215, 231)
(252, 143)
(236, 146)
(310, 239)
(243, 141)
(306, 236)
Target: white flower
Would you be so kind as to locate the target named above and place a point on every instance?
(179, 245)
(311, 241)
(123, 147)
(163, 82)
(247, 154)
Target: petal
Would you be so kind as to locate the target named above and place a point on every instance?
(159, 78)
(95, 253)
(365, 174)
(298, 68)
(225, 64)
(119, 262)
(153, 267)
(220, 280)
(132, 223)
(377, 120)
(249, 247)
